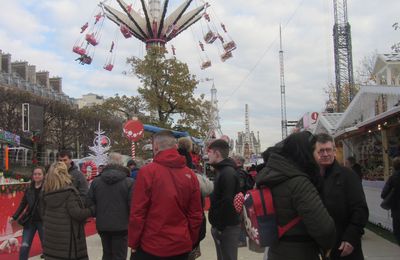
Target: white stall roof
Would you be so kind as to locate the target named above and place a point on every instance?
(363, 105)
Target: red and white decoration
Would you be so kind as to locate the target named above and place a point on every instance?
(89, 169)
(133, 151)
(134, 131)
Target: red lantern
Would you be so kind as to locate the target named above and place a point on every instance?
(134, 130)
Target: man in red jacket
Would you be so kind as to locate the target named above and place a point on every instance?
(166, 211)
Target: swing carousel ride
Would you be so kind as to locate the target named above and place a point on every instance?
(150, 23)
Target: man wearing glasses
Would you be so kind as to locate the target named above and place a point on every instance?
(344, 199)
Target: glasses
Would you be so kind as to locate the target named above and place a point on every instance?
(326, 150)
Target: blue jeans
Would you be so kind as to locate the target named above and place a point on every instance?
(27, 237)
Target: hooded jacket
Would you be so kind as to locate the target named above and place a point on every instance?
(222, 213)
(63, 225)
(78, 180)
(110, 192)
(294, 195)
(166, 211)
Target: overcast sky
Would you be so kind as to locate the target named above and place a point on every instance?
(43, 32)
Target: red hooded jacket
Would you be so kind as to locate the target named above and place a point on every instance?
(166, 211)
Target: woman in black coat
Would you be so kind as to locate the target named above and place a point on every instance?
(292, 174)
(394, 183)
(29, 214)
(64, 216)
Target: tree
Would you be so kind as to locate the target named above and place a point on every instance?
(64, 125)
(196, 124)
(363, 76)
(168, 88)
(331, 104)
(364, 73)
(396, 46)
(125, 106)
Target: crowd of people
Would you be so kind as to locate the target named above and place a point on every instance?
(157, 211)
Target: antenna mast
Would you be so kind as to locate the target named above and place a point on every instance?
(283, 87)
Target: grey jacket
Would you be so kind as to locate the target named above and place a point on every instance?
(79, 181)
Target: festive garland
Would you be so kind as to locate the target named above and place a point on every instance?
(10, 188)
(84, 170)
(15, 175)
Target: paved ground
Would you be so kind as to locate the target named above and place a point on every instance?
(374, 246)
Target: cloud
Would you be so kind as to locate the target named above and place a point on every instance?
(43, 33)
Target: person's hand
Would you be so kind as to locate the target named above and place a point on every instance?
(346, 248)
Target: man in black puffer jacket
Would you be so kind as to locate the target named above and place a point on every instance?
(110, 192)
(223, 218)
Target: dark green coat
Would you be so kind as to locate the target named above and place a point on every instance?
(63, 223)
(294, 195)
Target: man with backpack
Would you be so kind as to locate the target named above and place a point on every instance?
(222, 215)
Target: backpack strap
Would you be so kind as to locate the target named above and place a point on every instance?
(283, 229)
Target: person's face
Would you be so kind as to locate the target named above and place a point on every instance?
(213, 156)
(37, 175)
(132, 166)
(65, 160)
(324, 154)
(238, 163)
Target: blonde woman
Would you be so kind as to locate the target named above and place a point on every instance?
(63, 216)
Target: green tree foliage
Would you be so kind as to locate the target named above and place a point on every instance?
(124, 106)
(168, 90)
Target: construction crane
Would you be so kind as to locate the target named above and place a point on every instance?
(343, 55)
